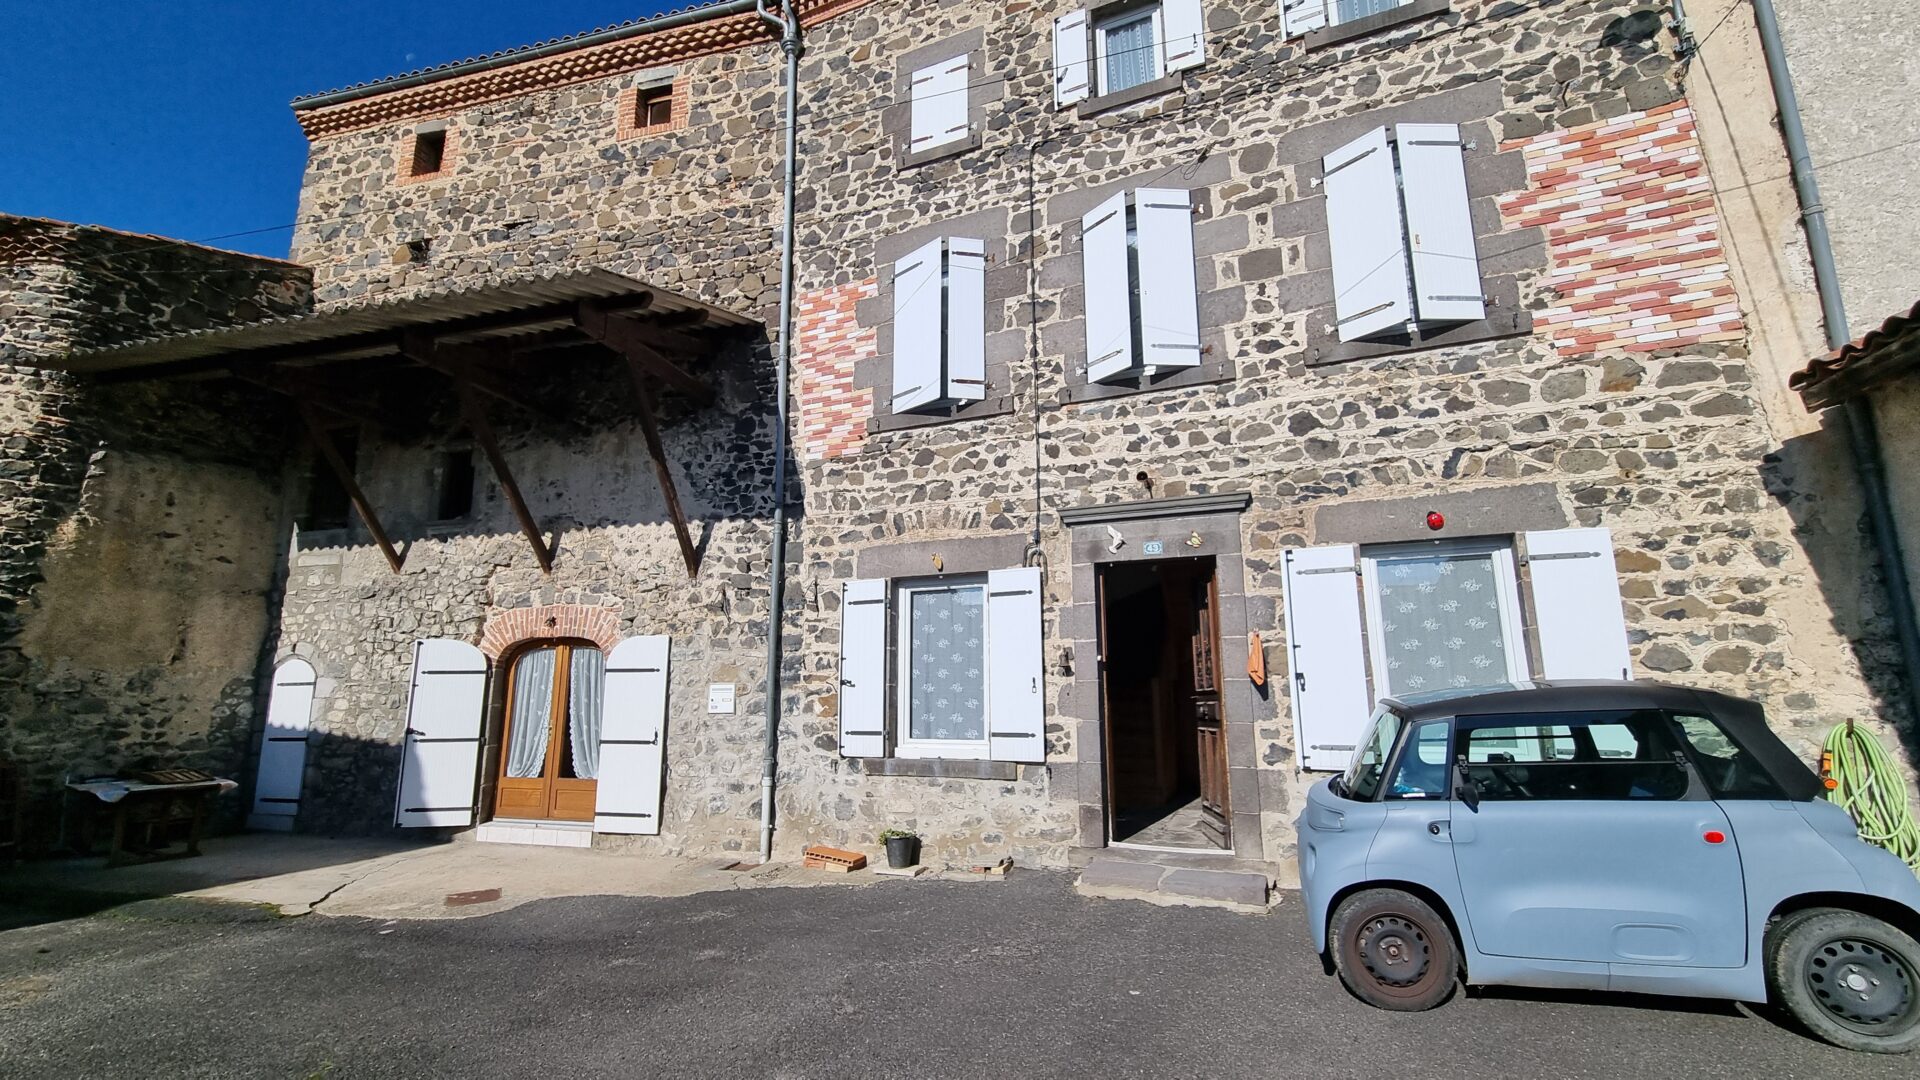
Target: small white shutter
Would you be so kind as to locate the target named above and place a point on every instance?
(1109, 291)
(1016, 679)
(863, 668)
(633, 722)
(1327, 656)
(917, 335)
(966, 319)
(1365, 229)
(1169, 308)
(283, 747)
(1072, 73)
(1302, 16)
(1185, 28)
(440, 758)
(1576, 600)
(939, 105)
(1446, 267)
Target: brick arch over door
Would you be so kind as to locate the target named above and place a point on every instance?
(505, 629)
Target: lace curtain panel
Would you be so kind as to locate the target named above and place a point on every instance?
(586, 690)
(947, 669)
(532, 714)
(1440, 622)
(1130, 49)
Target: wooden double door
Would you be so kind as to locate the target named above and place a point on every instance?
(550, 748)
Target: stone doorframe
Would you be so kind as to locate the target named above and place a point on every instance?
(1215, 519)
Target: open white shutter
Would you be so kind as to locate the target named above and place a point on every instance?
(1364, 227)
(1169, 306)
(440, 759)
(1576, 600)
(283, 747)
(917, 335)
(1185, 29)
(939, 105)
(863, 668)
(966, 319)
(1302, 16)
(1327, 655)
(1072, 73)
(633, 722)
(1109, 299)
(1446, 266)
(1016, 680)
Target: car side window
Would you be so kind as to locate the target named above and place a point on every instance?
(1607, 755)
(1421, 772)
(1729, 772)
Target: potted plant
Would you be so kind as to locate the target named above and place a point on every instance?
(903, 847)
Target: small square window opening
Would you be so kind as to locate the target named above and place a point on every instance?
(453, 483)
(328, 505)
(429, 152)
(653, 106)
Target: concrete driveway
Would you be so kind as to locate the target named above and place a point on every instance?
(1014, 977)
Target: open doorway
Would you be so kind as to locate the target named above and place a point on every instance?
(1160, 692)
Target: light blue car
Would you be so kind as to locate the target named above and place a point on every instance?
(1605, 836)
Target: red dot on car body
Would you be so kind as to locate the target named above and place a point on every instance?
(1715, 836)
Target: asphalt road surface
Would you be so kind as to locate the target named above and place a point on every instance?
(1004, 980)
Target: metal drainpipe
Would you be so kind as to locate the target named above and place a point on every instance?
(788, 23)
(1861, 437)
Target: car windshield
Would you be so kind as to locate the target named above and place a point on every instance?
(1362, 780)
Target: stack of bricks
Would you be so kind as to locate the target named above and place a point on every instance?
(828, 343)
(1632, 235)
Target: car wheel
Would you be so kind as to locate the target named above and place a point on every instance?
(1850, 979)
(1394, 951)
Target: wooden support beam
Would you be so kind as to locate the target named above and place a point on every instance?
(650, 431)
(319, 394)
(626, 337)
(476, 417)
(331, 454)
(471, 366)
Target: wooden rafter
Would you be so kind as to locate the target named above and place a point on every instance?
(650, 431)
(473, 366)
(330, 453)
(639, 347)
(477, 422)
(317, 393)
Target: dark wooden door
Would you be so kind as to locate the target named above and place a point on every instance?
(1208, 722)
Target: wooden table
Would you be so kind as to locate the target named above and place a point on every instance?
(135, 804)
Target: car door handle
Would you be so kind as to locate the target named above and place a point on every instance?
(1441, 831)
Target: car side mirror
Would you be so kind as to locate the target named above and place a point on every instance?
(1463, 788)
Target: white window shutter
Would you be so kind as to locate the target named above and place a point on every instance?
(917, 335)
(966, 319)
(632, 737)
(440, 758)
(1446, 266)
(1184, 26)
(939, 105)
(1072, 69)
(283, 747)
(1109, 290)
(1364, 227)
(1327, 656)
(1576, 602)
(1299, 17)
(1169, 306)
(1016, 677)
(863, 668)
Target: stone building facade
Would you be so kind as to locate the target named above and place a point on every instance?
(1601, 381)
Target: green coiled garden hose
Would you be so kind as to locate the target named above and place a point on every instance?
(1863, 779)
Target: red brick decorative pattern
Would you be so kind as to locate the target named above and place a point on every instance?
(505, 629)
(1632, 235)
(827, 343)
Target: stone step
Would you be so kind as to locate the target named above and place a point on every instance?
(1127, 879)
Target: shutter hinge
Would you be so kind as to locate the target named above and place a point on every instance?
(1357, 157)
(1329, 570)
(1552, 555)
(1363, 314)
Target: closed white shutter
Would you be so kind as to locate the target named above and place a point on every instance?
(1302, 16)
(1109, 289)
(1185, 29)
(966, 319)
(1576, 600)
(939, 105)
(283, 747)
(1446, 266)
(1072, 73)
(440, 759)
(633, 722)
(917, 334)
(1327, 655)
(863, 668)
(1364, 227)
(1016, 679)
(1169, 308)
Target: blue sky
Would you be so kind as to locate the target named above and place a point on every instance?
(170, 116)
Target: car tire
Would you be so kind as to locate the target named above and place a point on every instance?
(1849, 979)
(1393, 951)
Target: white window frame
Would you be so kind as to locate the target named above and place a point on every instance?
(1120, 15)
(904, 744)
(1513, 625)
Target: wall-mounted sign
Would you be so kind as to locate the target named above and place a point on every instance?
(720, 698)
(1153, 547)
